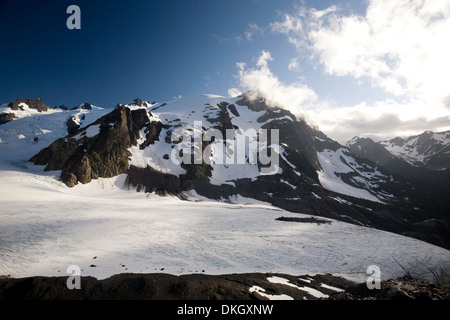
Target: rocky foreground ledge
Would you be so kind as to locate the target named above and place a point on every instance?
(249, 286)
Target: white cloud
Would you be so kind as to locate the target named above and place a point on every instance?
(234, 92)
(384, 119)
(381, 120)
(263, 59)
(293, 65)
(402, 47)
(341, 122)
(297, 97)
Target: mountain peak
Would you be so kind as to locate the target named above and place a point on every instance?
(22, 104)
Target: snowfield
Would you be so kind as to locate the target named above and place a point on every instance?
(105, 230)
(331, 163)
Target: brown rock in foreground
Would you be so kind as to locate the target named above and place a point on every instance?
(213, 287)
(396, 290)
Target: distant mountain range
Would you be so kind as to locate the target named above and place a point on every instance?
(423, 158)
(374, 184)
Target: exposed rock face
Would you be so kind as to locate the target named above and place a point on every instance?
(137, 102)
(429, 149)
(141, 103)
(150, 180)
(37, 104)
(72, 125)
(85, 105)
(216, 287)
(395, 290)
(168, 287)
(369, 149)
(425, 190)
(297, 137)
(432, 163)
(83, 158)
(223, 121)
(6, 117)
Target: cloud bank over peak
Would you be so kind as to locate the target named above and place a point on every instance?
(297, 97)
(401, 47)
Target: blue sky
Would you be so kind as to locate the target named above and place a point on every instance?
(150, 49)
(158, 50)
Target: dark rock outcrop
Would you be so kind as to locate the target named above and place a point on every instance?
(7, 117)
(83, 158)
(223, 120)
(85, 105)
(138, 102)
(437, 158)
(166, 287)
(395, 290)
(150, 180)
(72, 125)
(215, 287)
(37, 104)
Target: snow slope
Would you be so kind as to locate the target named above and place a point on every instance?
(420, 150)
(332, 165)
(32, 131)
(55, 226)
(186, 113)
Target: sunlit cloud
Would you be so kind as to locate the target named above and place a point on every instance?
(234, 92)
(297, 97)
(402, 47)
(293, 65)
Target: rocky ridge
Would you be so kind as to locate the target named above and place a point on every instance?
(250, 286)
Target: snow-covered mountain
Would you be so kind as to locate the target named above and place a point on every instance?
(424, 158)
(429, 149)
(33, 125)
(272, 157)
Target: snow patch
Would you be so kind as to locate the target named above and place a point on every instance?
(311, 291)
(153, 155)
(315, 195)
(89, 132)
(262, 293)
(326, 286)
(331, 164)
(289, 184)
